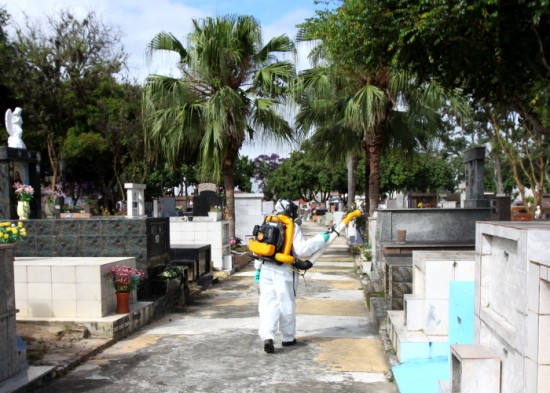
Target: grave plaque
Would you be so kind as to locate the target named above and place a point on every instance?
(168, 207)
(203, 202)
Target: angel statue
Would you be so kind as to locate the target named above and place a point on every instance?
(14, 123)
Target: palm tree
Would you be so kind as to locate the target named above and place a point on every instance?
(322, 94)
(229, 90)
(352, 110)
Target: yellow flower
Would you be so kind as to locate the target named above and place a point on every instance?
(20, 224)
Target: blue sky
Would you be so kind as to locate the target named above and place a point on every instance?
(140, 20)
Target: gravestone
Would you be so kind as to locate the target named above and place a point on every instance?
(473, 160)
(18, 165)
(136, 200)
(204, 201)
(167, 207)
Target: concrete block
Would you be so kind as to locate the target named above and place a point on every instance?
(436, 317)
(40, 308)
(39, 291)
(532, 336)
(543, 341)
(438, 276)
(544, 297)
(474, 369)
(20, 274)
(530, 377)
(39, 274)
(461, 312)
(543, 378)
(63, 274)
(464, 270)
(62, 308)
(533, 294)
(414, 311)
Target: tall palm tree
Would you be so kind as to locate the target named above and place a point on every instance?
(322, 94)
(229, 90)
(360, 110)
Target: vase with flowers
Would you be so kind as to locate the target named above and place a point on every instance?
(215, 213)
(125, 279)
(24, 193)
(53, 199)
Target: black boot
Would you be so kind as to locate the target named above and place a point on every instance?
(268, 346)
(289, 343)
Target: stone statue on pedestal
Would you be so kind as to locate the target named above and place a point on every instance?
(14, 123)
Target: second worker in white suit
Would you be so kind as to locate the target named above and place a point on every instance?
(279, 283)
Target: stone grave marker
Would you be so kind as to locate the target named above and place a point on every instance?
(203, 202)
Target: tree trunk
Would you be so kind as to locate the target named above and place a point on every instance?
(229, 185)
(497, 163)
(352, 178)
(374, 145)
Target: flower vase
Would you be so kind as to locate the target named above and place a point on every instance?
(215, 216)
(23, 210)
(49, 210)
(122, 302)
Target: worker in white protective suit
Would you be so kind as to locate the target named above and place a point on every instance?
(279, 283)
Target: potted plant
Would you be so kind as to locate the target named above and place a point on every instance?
(175, 285)
(52, 199)
(355, 249)
(367, 256)
(125, 279)
(235, 243)
(215, 213)
(10, 232)
(24, 194)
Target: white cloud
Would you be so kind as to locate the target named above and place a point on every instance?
(140, 20)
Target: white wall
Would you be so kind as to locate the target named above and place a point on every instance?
(248, 212)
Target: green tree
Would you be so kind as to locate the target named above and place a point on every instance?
(244, 171)
(230, 87)
(304, 176)
(383, 103)
(497, 51)
(58, 71)
(322, 95)
(421, 171)
(6, 69)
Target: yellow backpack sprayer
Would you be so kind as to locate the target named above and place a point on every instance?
(273, 239)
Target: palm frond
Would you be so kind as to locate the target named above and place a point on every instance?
(365, 108)
(166, 42)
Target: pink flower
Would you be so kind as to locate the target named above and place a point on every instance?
(126, 278)
(24, 191)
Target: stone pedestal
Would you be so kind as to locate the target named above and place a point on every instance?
(136, 199)
(474, 369)
(13, 359)
(474, 159)
(18, 165)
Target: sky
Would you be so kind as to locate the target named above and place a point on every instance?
(140, 20)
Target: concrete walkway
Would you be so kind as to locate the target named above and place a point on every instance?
(213, 346)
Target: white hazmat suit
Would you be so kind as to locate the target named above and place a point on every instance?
(278, 286)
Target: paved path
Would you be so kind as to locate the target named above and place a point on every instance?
(213, 346)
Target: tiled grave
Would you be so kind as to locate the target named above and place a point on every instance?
(420, 331)
(72, 288)
(198, 232)
(513, 301)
